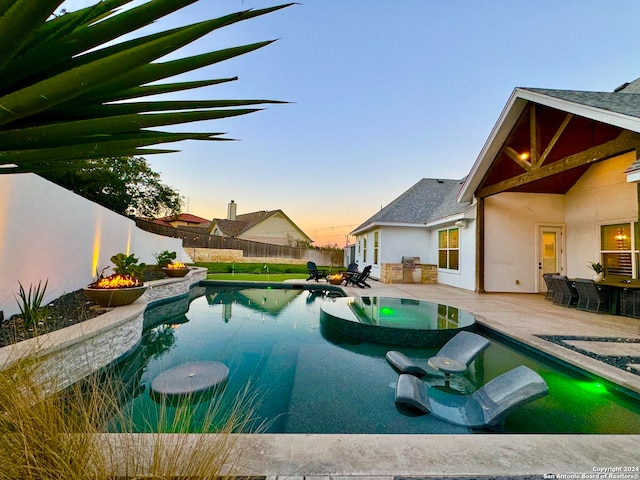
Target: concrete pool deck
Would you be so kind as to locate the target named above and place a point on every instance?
(385, 457)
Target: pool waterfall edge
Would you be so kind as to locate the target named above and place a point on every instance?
(393, 321)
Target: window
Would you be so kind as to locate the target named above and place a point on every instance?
(364, 250)
(375, 247)
(618, 247)
(449, 249)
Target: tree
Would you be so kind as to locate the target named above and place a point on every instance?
(126, 185)
(57, 102)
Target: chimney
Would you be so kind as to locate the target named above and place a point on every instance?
(231, 210)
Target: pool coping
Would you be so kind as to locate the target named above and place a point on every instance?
(295, 456)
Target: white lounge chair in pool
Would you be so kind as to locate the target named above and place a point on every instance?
(455, 356)
(485, 407)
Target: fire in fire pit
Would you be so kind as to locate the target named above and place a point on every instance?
(116, 281)
(176, 266)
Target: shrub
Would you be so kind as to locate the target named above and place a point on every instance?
(164, 258)
(30, 304)
(128, 265)
(45, 435)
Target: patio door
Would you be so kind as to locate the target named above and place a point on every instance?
(550, 252)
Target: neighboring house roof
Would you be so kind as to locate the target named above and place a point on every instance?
(426, 201)
(181, 217)
(245, 221)
(620, 108)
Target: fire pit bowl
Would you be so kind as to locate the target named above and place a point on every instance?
(115, 290)
(114, 297)
(336, 279)
(175, 270)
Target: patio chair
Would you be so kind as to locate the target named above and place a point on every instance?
(565, 293)
(462, 349)
(590, 297)
(630, 303)
(550, 286)
(359, 279)
(352, 269)
(314, 273)
(485, 407)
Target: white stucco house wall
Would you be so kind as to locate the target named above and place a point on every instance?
(426, 221)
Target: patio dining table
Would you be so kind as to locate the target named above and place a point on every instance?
(617, 287)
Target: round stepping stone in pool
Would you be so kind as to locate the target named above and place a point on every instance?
(190, 378)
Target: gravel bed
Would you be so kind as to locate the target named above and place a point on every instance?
(620, 362)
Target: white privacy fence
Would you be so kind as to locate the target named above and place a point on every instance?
(48, 233)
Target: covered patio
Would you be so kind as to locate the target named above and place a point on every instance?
(551, 189)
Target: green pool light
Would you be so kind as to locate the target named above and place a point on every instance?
(594, 387)
(387, 311)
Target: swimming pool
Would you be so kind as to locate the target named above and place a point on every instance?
(312, 379)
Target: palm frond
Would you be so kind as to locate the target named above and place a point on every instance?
(57, 103)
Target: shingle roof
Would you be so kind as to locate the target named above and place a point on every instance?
(624, 102)
(184, 217)
(181, 217)
(428, 200)
(245, 221)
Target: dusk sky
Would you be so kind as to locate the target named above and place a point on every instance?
(383, 93)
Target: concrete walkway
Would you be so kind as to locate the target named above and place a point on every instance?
(385, 457)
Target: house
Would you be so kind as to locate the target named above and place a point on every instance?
(264, 226)
(182, 220)
(427, 222)
(554, 188)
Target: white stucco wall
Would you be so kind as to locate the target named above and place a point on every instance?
(398, 242)
(466, 276)
(511, 223)
(601, 196)
(50, 233)
(394, 243)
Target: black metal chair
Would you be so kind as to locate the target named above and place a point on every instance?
(314, 273)
(358, 280)
(565, 293)
(550, 286)
(591, 298)
(352, 269)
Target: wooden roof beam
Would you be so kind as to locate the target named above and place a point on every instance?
(625, 142)
(554, 140)
(516, 157)
(534, 135)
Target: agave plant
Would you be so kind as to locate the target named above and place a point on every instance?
(60, 83)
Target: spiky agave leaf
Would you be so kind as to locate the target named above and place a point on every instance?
(59, 106)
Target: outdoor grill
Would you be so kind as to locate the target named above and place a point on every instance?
(411, 270)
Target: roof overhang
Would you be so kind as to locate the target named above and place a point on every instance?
(508, 119)
(468, 214)
(374, 225)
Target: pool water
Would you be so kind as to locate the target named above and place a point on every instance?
(310, 379)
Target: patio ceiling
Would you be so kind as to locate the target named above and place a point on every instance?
(548, 150)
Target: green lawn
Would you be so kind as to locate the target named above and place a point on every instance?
(257, 277)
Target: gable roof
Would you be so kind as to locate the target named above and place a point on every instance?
(620, 109)
(428, 200)
(246, 221)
